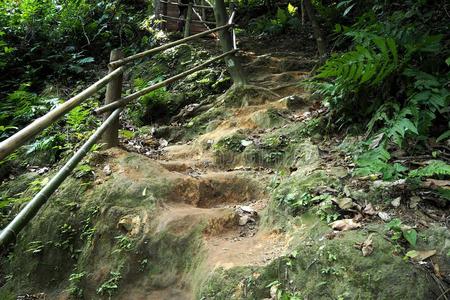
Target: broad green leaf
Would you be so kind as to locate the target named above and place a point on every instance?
(411, 236)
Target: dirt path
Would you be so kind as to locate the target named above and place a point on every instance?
(226, 202)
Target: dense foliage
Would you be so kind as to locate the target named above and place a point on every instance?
(393, 79)
(62, 42)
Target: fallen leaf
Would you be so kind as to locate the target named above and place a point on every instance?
(420, 255)
(345, 224)
(358, 217)
(344, 203)
(367, 246)
(414, 201)
(369, 210)
(437, 270)
(429, 183)
(376, 141)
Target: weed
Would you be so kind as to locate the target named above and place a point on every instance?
(110, 286)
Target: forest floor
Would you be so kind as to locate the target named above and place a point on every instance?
(219, 229)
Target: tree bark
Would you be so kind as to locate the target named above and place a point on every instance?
(226, 41)
(318, 35)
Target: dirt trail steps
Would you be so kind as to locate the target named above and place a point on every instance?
(230, 238)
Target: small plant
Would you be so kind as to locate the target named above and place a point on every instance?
(84, 171)
(230, 143)
(282, 294)
(35, 247)
(74, 287)
(124, 243)
(110, 286)
(400, 231)
(326, 210)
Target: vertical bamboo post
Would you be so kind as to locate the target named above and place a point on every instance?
(187, 24)
(113, 93)
(203, 2)
(226, 41)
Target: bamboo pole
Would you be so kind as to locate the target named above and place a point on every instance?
(187, 24)
(8, 234)
(226, 41)
(131, 58)
(12, 143)
(194, 5)
(203, 10)
(147, 90)
(192, 21)
(201, 19)
(113, 93)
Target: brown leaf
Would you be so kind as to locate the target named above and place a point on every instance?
(344, 203)
(420, 255)
(369, 210)
(367, 246)
(345, 224)
(430, 183)
(437, 270)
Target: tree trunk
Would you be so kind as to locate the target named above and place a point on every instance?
(226, 42)
(318, 35)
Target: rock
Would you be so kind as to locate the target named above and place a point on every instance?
(107, 170)
(396, 202)
(247, 209)
(384, 216)
(294, 102)
(246, 143)
(243, 220)
(268, 118)
(240, 96)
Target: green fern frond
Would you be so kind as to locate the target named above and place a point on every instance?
(370, 62)
(435, 167)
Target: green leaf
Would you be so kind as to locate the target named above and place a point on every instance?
(292, 10)
(447, 61)
(411, 236)
(443, 137)
(348, 9)
(393, 48)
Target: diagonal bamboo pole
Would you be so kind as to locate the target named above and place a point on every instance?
(12, 143)
(146, 53)
(147, 90)
(8, 234)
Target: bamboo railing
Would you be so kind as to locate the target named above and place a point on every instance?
(108, 131)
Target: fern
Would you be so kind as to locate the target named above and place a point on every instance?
(376, 162)
(435, 167)
(370, 63)
(77, 117)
